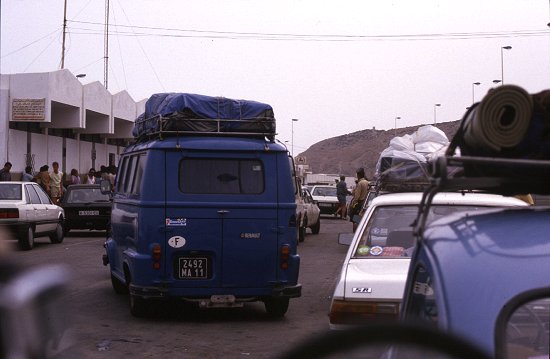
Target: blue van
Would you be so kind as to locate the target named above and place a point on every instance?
(204, 207)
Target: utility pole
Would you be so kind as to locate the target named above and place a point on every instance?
(106, 40)
(64, 31)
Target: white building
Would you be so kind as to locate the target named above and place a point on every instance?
(47, 117)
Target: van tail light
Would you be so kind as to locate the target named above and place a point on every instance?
(359, 312)
(284, 256)
(156, 255)
(8, 213)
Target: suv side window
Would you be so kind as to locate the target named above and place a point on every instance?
(221, 176)
(422, 304)
(527, 332)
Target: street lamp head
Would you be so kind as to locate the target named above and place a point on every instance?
(437, 104)
(295, 119)
(497, 81)
(476, 83)
(506, 47)
(80, 75)
(398, 118)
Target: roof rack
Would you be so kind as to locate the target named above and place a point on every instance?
(159, 127)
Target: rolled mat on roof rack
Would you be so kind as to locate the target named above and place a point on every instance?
(507, 122)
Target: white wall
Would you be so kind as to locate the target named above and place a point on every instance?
(55, 150)
(85, 156)
(39, 146)
(17, 148)
(73, 157)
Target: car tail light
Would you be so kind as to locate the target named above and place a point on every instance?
(156, 255)
(9, 213)
(357, 312)
(284, 256)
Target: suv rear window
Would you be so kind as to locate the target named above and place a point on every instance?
(221, 176)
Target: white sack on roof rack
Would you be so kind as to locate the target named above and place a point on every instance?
(407, 158)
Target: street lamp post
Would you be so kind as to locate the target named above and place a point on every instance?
(502, 62)
(395, 125)
(474, 84)
(292, 150)
(435, 113)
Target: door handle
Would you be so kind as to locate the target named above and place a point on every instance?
(223, 211)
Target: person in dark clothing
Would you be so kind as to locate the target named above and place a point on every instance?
(5, 174)
(341, 193)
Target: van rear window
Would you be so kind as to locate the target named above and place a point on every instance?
(221, 176)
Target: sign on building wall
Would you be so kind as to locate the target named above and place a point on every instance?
(28, 109)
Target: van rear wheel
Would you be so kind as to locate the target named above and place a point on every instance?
(276, 307)
(118, 286)
(139, 307)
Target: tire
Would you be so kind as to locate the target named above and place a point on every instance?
(139, 307)
(301, 233)
(276, 307)
(58, 235)
(118, 286)
(316, 227)
(26, 239)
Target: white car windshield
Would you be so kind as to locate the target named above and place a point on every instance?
(389, 233)
(324, 191)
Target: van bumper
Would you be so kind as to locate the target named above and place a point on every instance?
(288, 291)
(292, 291)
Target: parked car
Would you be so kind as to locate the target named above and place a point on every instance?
(86, 207)
(485, 277)
(307, 214)
(373, 276)
(28, 212)
(325, 197)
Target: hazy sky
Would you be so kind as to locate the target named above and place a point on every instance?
(336, 66)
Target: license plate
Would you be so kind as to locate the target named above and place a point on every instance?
(325, 205)
(88, 213)
(193, 268)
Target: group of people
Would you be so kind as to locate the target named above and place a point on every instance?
(359, 195)
(55, 182)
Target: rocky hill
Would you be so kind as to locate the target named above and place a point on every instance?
(344, 154)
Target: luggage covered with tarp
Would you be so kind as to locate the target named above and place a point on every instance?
(184, 113)
(405, 164)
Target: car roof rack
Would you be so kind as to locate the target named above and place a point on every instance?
(160, 127)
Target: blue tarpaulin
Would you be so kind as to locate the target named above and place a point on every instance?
(165, 104)
(182, 110)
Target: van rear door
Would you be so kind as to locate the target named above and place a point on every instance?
(221, 209)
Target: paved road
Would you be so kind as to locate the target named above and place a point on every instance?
(102, 326)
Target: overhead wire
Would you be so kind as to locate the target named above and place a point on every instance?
(213, 34)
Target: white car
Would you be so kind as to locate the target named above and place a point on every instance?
(325, 197)
(28, 212)
(307, 215)
(373, 276)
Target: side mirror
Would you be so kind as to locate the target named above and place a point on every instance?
(345, 238)
(105, 186)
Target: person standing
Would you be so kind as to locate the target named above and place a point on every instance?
(341, 193)
(5, 174)
(43, 178)
(56, 183)
(27, 176)
(359, 196)
(75, 178)
(90, 178)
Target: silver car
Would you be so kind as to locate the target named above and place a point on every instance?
(28, 212)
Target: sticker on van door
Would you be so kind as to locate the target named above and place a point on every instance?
(176, 242)
(176, 221)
